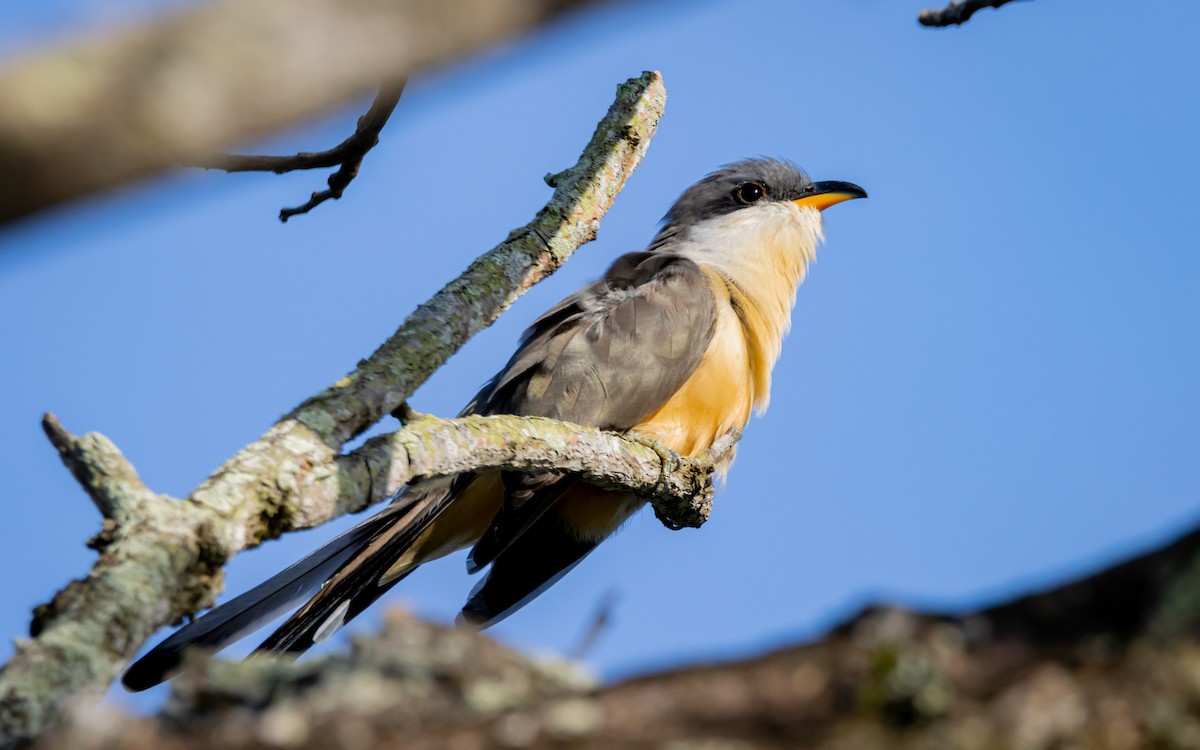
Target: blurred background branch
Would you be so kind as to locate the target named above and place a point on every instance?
(1082, 665)
(95, 113)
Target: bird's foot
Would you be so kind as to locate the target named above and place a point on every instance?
(669, 459)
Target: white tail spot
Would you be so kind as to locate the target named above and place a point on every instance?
(335, 621)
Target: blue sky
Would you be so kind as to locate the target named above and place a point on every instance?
(991, 384)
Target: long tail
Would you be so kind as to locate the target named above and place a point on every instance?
(342, 576)
(357, 584)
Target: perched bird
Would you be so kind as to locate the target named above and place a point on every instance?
(675, 343)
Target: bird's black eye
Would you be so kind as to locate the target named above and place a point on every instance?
(749, 192)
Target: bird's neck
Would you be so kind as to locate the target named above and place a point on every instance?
(762, 255)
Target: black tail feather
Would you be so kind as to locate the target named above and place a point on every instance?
(544, 553)
(356, 586)
(355, 591)
(243, 614)
(527, 497)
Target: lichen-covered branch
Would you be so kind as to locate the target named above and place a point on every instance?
(161, 559)
(347, 156)
(95, 113)
(101, 470)
(957, 12)
(680, 489)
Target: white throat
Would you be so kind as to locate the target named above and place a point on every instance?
(763, 253)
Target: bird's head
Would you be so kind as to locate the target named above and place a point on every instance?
(755, 223)
(750, 211)
(754, 184)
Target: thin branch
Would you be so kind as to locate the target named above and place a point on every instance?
(347, 155)
(957, 12)
(600, 621)
(164, 560)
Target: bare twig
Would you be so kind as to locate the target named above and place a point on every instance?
(957, 12)
(347, 155)
(600, 621)
(162, 560)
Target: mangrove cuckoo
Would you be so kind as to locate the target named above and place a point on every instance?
(675, 343)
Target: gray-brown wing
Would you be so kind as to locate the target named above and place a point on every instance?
(613, 352)
(607, 356)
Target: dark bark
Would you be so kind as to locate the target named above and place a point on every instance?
(957, 12)
(347, 156)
